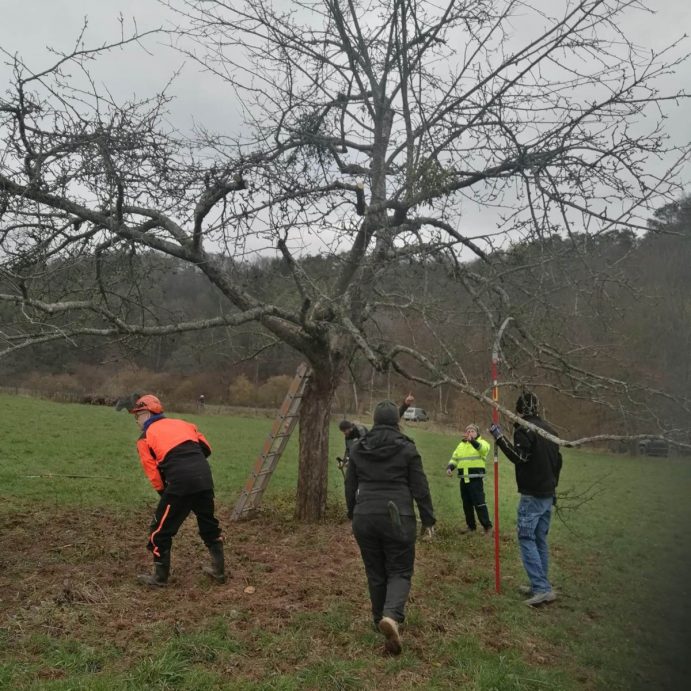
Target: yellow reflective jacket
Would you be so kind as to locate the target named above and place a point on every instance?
(469, 461)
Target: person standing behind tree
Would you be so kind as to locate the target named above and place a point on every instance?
(538, 464)
(469, 460)
(384, 477)
(352, 431)
(174, 455)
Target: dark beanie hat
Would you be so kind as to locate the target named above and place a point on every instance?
(344, 425)
(386, 413)
(527, 404)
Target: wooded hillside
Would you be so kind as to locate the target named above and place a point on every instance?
(618, 304)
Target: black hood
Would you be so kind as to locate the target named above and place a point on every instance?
(382, 442)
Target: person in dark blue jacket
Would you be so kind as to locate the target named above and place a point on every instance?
(384, 477)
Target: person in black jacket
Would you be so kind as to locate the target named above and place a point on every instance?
(352, 431)
(384, 476)
(538, 463)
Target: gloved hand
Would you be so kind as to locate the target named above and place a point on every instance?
(428, 533)
(495, 431)
(554, 500)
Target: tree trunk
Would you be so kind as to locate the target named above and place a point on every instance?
(315, 416)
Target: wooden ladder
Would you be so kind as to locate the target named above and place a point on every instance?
(284, 423)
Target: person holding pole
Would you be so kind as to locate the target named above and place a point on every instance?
(469, 460)
(538, 464)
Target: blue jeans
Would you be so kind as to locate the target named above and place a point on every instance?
(534, 516)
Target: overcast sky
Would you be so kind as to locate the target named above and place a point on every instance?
(28, 27)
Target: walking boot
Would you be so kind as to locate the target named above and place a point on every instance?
(389, 627)
(159, 578)
(217, 569)
(541, 598)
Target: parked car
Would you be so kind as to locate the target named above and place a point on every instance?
(415, 415)
(653, 447)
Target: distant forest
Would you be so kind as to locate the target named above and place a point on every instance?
(622, 301)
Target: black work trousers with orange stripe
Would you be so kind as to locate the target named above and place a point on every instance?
(171, 512)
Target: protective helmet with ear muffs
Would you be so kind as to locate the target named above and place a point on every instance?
(147, 402)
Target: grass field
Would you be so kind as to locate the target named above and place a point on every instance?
(73, 617)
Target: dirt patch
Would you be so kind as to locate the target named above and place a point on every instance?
(70, 575)
(91, 558)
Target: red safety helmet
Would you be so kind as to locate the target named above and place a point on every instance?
(148, 402)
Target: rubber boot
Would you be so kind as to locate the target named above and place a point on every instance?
(159, 578)
(217, 568)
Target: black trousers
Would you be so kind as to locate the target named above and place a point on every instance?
(389, 557)
(171, 512)
(473, 498)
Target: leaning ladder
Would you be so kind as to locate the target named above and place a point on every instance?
(286, 419)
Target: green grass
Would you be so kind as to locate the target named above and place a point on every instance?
(620, 560)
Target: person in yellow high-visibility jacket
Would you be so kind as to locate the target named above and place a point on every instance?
(469, 460)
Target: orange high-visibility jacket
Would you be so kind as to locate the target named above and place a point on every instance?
(173, 454)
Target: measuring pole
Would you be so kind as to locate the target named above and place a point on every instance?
(495, 420)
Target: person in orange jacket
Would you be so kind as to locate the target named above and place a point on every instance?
(174, 457)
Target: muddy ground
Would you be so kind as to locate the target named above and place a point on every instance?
(71, 574)
(56, 566)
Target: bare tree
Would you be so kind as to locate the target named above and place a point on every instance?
(372, 128)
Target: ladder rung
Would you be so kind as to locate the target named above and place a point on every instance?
(254, 492)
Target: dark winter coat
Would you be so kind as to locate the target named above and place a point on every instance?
(385, 466)
(357, 431)
(537, 460)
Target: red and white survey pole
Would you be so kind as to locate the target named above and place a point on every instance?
(495, 420)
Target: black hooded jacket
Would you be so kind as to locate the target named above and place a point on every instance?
(537, 460)
(385, 466)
